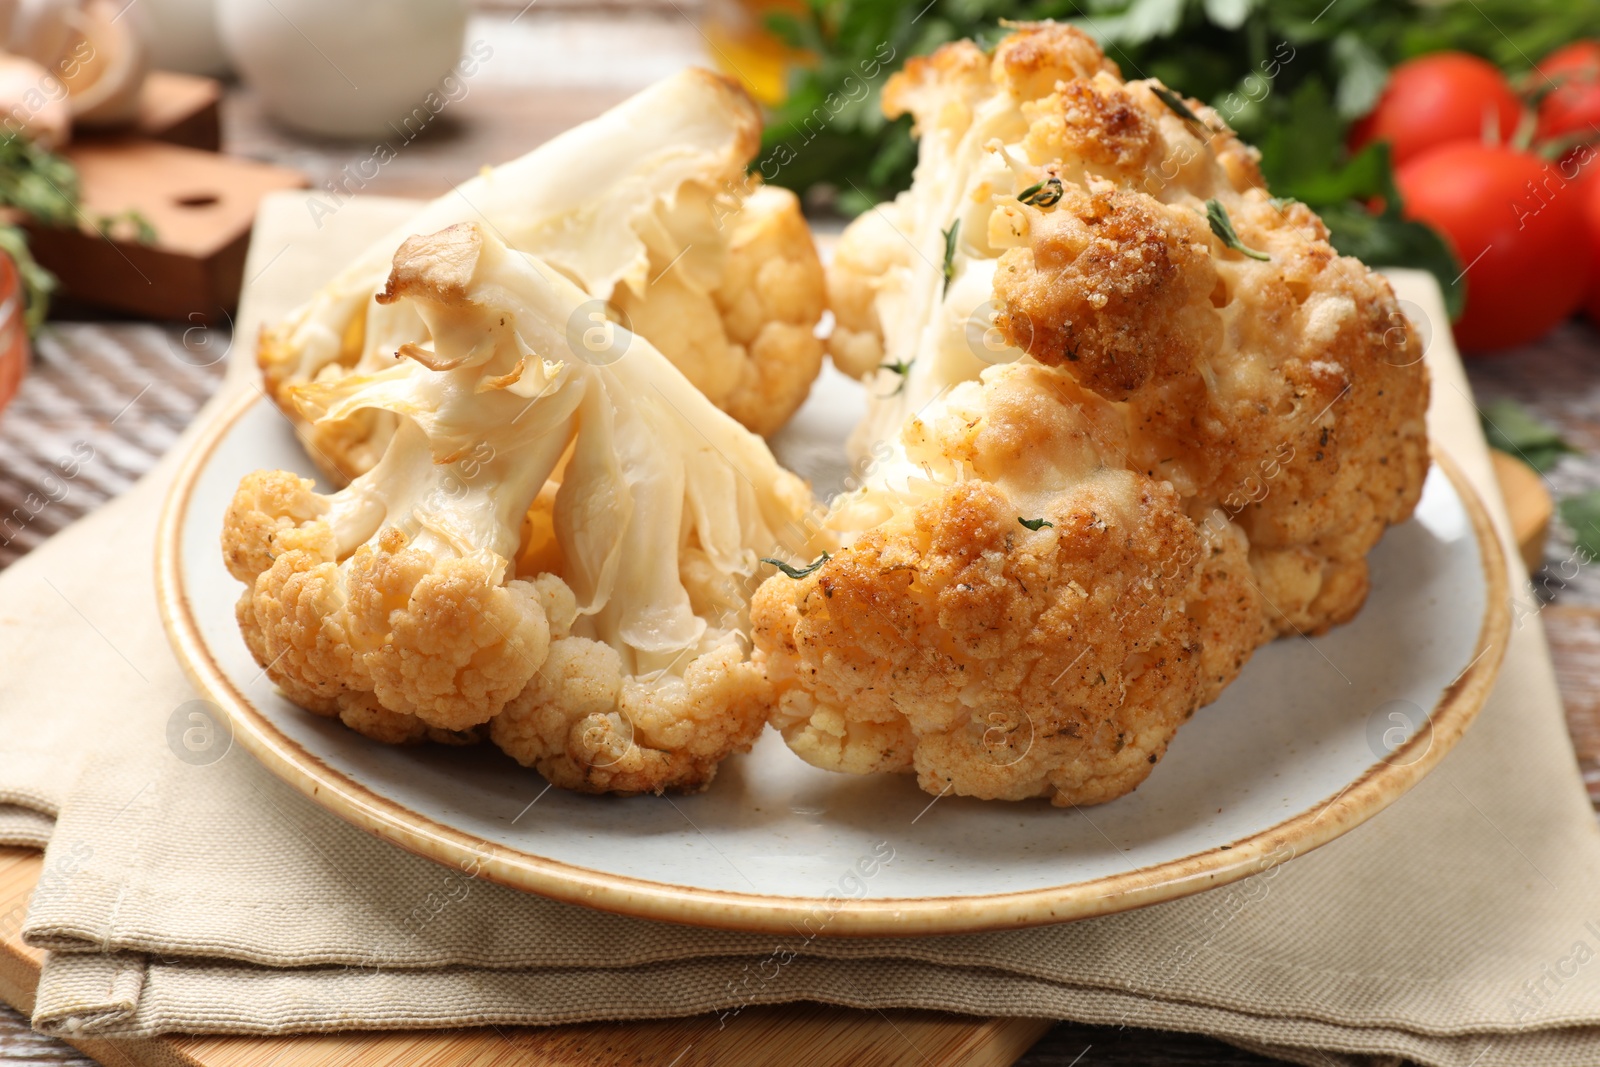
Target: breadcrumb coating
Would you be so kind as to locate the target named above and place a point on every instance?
(1286, 391)
(1249, 427)
(396, 629)
(993, 659)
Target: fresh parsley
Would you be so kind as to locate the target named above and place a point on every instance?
(1514, 430)
(1036, 524)
(1582, 513)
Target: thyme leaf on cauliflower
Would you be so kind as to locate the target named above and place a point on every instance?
(950, 237)
(901, 368)
(1179, 108)
(1047, 193)
(1036, 524)
(1222, 226)
(798, 572)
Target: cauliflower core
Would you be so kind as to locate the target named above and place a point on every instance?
(506, 567)
(648, 209)
(1208, 444)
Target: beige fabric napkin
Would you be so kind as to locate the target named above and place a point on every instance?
(1459, 928)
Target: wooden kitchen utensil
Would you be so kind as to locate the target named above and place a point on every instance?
(180, 109)
(201, 206)
(1528, 504)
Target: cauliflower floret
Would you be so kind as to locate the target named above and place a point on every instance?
(749, 344)
(1283, 392)
(648, 209)
(397, 591)
(1110, 453)
(1020, 616)
(868, 250)
(546, 492)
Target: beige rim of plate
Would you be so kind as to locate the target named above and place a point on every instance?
(1380, 786)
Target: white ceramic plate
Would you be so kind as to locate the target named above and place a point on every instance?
(1314, 738)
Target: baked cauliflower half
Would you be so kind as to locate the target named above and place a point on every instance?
(1130, 418)
(1122, 236)
(647, 209)
(555, 548)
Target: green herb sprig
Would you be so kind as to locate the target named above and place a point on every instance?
(1036, 524)
(133, 218)
(1047, 193)
(903, 369)
(1176, 105)
(43, 186)
(1222, 226)
(798, 572)
(1514, 430)
(950, 237)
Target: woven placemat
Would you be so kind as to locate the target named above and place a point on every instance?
(101, 403)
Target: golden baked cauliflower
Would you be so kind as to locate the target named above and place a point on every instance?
(648, 209)
(554, 548)
(1263, 376)
(1017, 615)
(1130, 418)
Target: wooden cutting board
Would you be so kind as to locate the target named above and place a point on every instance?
(799, 1035)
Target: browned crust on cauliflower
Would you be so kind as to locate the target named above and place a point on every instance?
(436, 639)
(1001, 661)
(1114, 285)
(1031, 61)
(770, 299)
(1289, 393)
(959, 63)
(1053, 663)
(584, 726)
(1276, 406)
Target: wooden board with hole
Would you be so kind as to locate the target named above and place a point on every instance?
(798, 1035)
(180, 109)
(201, 207)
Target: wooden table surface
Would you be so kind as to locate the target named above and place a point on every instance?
(126, 389)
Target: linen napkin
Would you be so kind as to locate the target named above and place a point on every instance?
(1458, 928)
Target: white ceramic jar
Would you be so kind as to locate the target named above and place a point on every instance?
(342, 68)
(182, 35)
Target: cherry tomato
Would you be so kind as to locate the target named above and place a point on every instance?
(1591, 209)
(1436, 99)
(1517, 224)
(1574, 105)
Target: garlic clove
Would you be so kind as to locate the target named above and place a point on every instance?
(104, 87)
(33, 102)
(40, 30)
